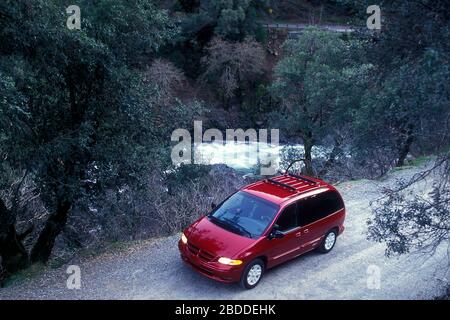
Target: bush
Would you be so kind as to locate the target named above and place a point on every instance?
(169, 202)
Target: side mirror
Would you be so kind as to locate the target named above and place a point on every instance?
(213, 205)
(275, 234)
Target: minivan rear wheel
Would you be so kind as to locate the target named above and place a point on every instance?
(328, 242)
(252, 274)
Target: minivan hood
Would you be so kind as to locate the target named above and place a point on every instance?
(214, 239)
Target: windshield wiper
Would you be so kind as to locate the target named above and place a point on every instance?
(238, 227)
(219, 221)
(230, 224)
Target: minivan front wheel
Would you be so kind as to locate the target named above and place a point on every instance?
(252, 274)
(328, 242)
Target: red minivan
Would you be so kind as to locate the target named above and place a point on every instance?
(262, 225)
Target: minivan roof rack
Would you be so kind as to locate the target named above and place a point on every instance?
(301, 178)
(281, 184)
(286, 172)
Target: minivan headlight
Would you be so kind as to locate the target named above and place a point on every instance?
(183, 238)
(229, 261)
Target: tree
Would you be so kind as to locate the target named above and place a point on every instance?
(404, 105)
(231, 19)
(410, 96)
(75, 118)
(407, 220)
(164, 80)
(12, 252)
(318, 83)
(408, 100)
(406, 110)
(231, 66)
(203, 20)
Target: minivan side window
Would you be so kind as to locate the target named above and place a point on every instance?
(288, 218)
(319, 206)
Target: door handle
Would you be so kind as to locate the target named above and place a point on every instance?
(306, 231)
(298, 234)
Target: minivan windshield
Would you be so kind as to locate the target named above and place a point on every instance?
(244, 214)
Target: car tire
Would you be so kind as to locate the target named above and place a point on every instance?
(328, 242)
(252, 274)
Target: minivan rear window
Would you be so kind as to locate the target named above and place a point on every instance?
(318, 207)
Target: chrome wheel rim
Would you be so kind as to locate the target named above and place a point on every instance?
(329, 240)
(254, 274)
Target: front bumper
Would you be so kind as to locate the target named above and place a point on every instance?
(213, 270)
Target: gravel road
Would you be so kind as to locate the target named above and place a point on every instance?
(153, 270)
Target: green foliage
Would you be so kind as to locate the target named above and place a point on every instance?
(74, 110)
(12, 113)
(318, 83)
(230, 19)
(132, 30)
(409, 102)
(405, 110)
(257, 102)
(74, 94)
(202, 20)
(261, 35)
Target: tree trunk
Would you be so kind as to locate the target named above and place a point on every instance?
(405, 147)
(225, 103)
(13, 253)
(330, 161)
(308, 144)
(240, 92)
(54, 225)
